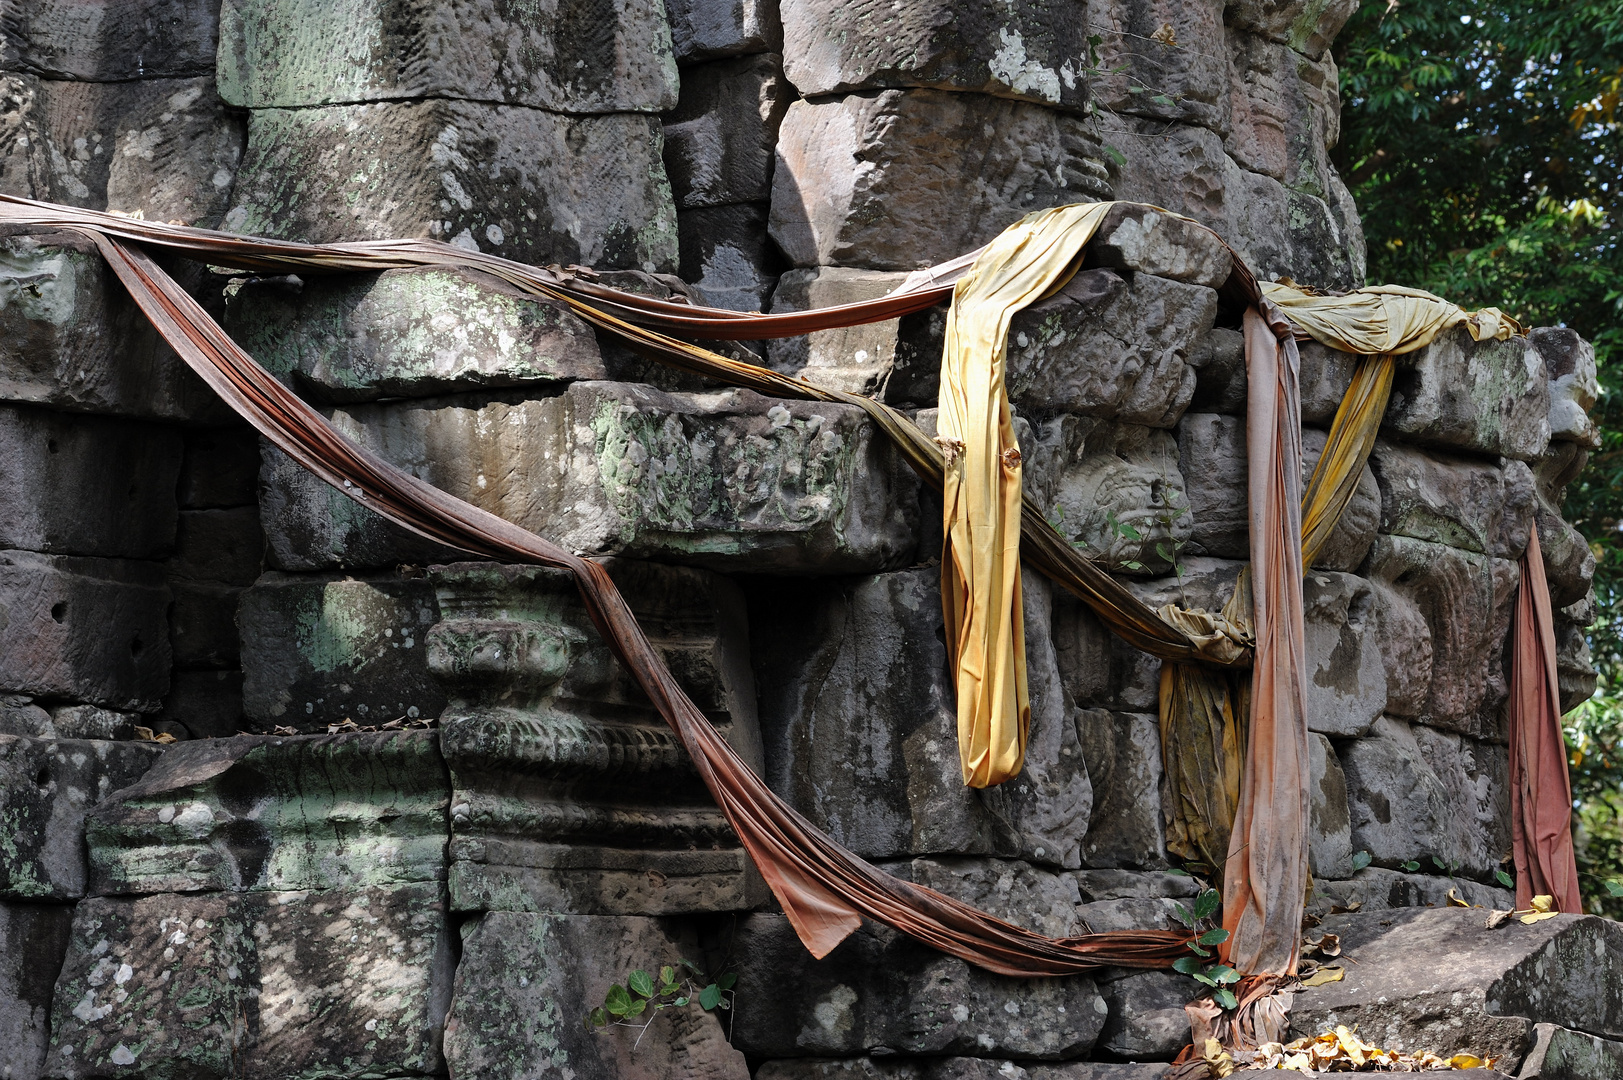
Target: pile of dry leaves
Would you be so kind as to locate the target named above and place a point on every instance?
(1334, 1051)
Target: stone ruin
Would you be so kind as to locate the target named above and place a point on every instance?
(406, 817)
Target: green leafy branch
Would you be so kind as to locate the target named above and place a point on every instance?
(1203, 967)
(678, 987)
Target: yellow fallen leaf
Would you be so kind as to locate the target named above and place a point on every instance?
(1325, 975)
(1217, 1059)
(1466, 1061)
(1539, 916)
(1543, 903)
(1455, 899)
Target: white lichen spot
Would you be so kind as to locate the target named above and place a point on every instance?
(123, 975)
(494, 234)
(465, 241)
(1020, 73)
(960, 1013)
(121, 1055)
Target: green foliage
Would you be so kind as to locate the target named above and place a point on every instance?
(1201, 967)
(677, 988)
(1360, 860)
(1484, 146)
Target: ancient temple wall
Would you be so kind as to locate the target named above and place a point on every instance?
(415, 819)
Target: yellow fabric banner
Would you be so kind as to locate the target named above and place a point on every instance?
(980, 560)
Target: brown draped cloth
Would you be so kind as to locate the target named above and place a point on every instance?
(1540, 789)
(824, 889)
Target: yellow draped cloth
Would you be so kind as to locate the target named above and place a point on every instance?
(980, 562)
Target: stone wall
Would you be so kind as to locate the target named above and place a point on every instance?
(414, 819)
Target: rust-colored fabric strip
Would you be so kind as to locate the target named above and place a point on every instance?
(1540, 789)
(824, 889)
(1265, 876)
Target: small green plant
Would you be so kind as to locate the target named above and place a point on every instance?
(678, 987)
(1124, 531)
(1411, 866)
(1360, 860)
(1510, 883)
(1202, 967)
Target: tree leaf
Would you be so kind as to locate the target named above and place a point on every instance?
(1411, 866)
(1225, 997)
(1188, 965)
(1613, 888)
(727, 981)
(1196, 949)
(1214, 937)
(1362, 859)
(637, 1008)
(679, 1002)
(710, 997)
(617, 1000)
(641, 984)
(597, 1018)
(1510, 883)
(1207, 903)
(667, 975)
(1115, 155)
(1202, 977)
(1325, 975)
(1184, 915)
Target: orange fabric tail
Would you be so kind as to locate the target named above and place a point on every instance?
(1540, 790)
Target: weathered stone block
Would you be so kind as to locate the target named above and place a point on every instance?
(728, 256)
(578, 56)
(411, 333)
(526, 981)
(110, 42)
(1123, 755)
(536, 186)
(1569, 361)
(1560, 1053)
(167, 148)
(720, 136)
(1375, 888)
(71, 338)
(319, 650)
(728, 479)
(1130, 913)
(1415, 795)
(1036, 51)
(1146, 1021)
(1330, 828)
(569, 792)
(219, 468)
(1491, 397)
(858, 359)
(86, 485)
(346, 983)
(1039, 900)
(257, 813)
(46, 787)
(1219, 363)
(225, 546)
(1284, 110)
(1140, 238)
(33, 942)
(1464, 503)
(207, 703)
(1189, 74)
(881, 990)
(20, 716)
(203, 625)
(1305, 25)
(91, 630)
(837, 199)
(89, 722)
(1465, 602)
(1347, 685)
(1325, 376)
(706, 29)
(1111, 884)
(860, 731)
(1478, 991)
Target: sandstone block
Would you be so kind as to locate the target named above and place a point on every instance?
(1569, 361)
(1110, 884)
(206, 703)
(224, 546)
(881, 990)
(1355, 531)
(167, 148)
(1305, 26)
(219, 467)
(91, 630)
(320, 650)
(86, 485)
(1123, 755)
(203, 625)
(89, 722)
(352, 982)
(1465, 601)
(860, 731)
(569, 57)
(1415, 795)
(411, 333)
(1182, 80)
(20, 716)
(1035, 51)
(1574, 665)
(569, 792)
(720, 136)
(1147, 1021)
(1347, 681)
(1039, 900)
(264, 813)
(1325, 375)
(1330, 828)
(986, 162)
(706, 29)
(1101, 346)
(728, 256)
(1375, 888)
(33, 942)
(1478, 991)
(49, 785)
(1219, 363)
(728, 479)
(72, 339)
(1560, 1053)
(536, 186)
(1490, 397)
(1142, 239)
(858, 359)
(526, 981)
(110, 42)
(1464, 503)
(1130, 913)
(1285, 112)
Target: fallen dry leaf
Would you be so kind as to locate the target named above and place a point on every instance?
(1325, 975)
(1456, 900)
(144, 734)
(1496, 919)
(1466, 1061)
(1165, 36)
